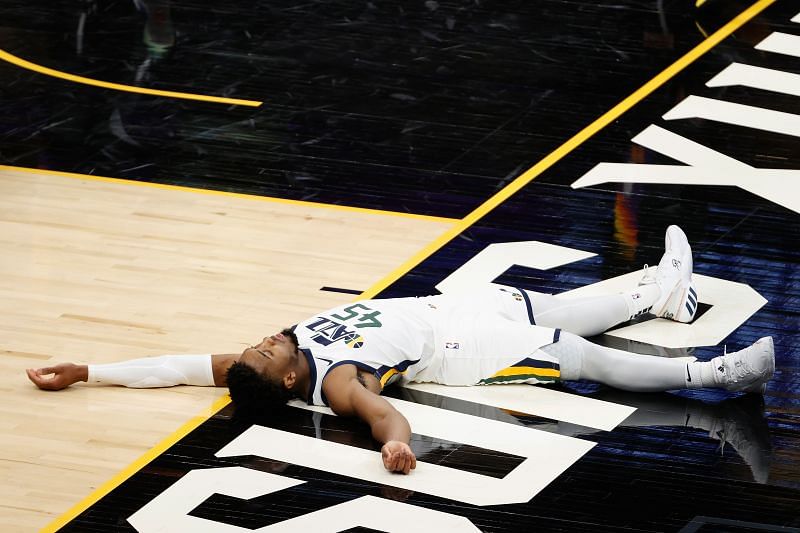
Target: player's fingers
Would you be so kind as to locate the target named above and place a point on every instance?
(401, 463)
(413, 461)
(396, 458)
(34, 376)
(38, 380)
(388, 459)
(410, 461)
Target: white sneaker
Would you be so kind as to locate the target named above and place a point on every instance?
(678, 300)
(747, 370)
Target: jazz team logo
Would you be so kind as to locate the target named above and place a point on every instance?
(334, 329)
(327, 332)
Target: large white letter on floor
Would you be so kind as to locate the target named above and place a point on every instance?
(169, 510)
(733, 303)
(546, 455)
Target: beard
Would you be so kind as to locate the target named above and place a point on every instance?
(289, 333)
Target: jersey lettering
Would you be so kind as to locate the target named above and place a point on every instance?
(329, 331)
(366, 320)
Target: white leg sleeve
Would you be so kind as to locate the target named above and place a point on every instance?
(581, 359)
(592, 315)
(162, 371)
(581, 316)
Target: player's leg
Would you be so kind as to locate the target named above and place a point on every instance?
(593, 315)
(668, 294)
(746, 370)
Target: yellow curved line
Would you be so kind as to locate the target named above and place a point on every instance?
(18, 61)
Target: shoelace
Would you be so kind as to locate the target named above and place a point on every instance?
(732, 369)
(647, 278)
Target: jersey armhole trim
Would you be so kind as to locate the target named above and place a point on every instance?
(312, 369)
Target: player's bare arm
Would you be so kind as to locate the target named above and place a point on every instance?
(63, 375)
(349, 396)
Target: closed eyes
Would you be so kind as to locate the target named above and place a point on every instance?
(265, 354)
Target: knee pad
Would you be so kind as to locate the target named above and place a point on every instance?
(569, 352)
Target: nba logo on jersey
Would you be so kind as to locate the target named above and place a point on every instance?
(451, 345)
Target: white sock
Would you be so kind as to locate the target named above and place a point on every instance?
(702, 375)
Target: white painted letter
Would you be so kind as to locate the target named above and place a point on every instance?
(739, 114)
(169, 510)
(707, 167)
(767, 79)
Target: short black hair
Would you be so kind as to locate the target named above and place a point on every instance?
(254, 394)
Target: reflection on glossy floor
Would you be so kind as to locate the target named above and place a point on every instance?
(431, 108)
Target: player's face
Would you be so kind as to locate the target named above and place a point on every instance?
(274, 357)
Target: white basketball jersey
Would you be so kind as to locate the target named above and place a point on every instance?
(484, 337)
(389, 338)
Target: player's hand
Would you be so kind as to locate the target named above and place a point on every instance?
(63, 375)
(398, 457)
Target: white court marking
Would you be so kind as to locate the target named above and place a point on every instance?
(732, 304)
(702, 167)
(546, 455)
(169, 511)
(781, 43)
(539, 401)
(744, 115)
(496, 258)
(758, 77)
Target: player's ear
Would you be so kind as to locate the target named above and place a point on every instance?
(289, 380)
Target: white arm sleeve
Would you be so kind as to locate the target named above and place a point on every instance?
(161, 371)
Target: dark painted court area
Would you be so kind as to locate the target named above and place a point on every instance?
(425, 107)
(431, 108)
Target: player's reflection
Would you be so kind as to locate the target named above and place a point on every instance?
(736, 422)
(159, 33)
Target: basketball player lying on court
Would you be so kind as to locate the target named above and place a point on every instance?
(344, 357)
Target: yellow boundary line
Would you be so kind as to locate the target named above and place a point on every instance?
(467, 221)
(18, 61)
(138, 464)
(211, 192)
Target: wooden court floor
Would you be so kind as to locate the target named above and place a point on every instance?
(179, 178)
(98, 271)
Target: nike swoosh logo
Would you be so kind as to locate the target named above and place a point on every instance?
(689, 379)
(329, 361)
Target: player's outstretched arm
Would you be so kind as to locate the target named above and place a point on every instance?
(148, 372)
(347, 396)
